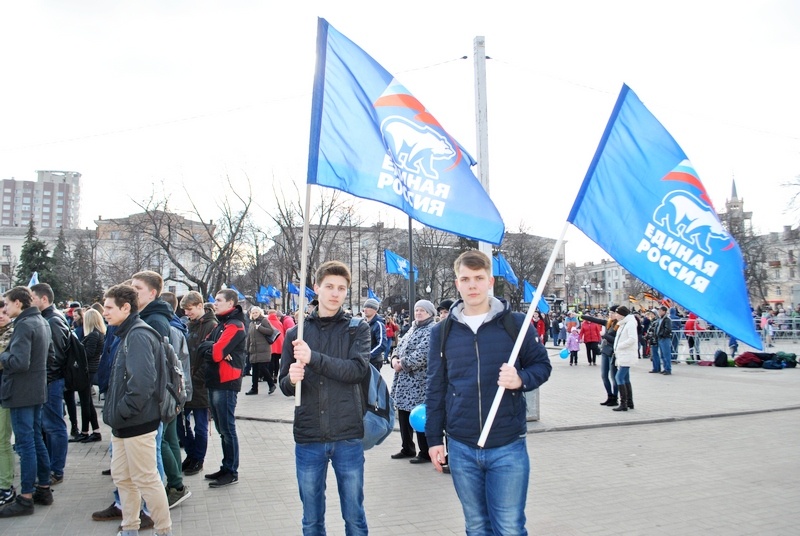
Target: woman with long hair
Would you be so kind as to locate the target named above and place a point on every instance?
(95, 337)
(608, 369)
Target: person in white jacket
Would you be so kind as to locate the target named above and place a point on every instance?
(626, 352)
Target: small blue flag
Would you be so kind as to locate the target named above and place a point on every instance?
(372, 295)
(501, 267)
(529, 291)
(371, 138)
(291, 288)
(241, 296)
(643, 202)
(310, 294)
(395, 264)
(211, 299)
(34, 279)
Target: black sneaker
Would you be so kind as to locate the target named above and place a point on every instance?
(272, 388)
(193, 469)
(56, 479)
(20, 507)
(187, 463)
(225, 480)
(109, 514)
(7, 495)
(92, 438)
(215, 476)
(43, 496)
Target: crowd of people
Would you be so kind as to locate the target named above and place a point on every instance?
(450, 357)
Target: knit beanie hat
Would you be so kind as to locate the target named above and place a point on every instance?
(427, 305)
(371, 304)
(623, 311)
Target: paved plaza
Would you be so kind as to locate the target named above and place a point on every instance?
(706, 451)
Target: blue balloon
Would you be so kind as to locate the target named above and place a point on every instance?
(417, 418)
(564, 353)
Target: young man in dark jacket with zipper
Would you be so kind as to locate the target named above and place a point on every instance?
(202, 322)
(224, 353)
(23, 391)
(491, 481)
(53, 423)
(132, 411)
(328, 424)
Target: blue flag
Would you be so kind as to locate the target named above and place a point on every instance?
(371, 138)
(263, 294)
(211, 299)
(291, 288)
(34, 279)
(272, 292)
(643, 203)
(501, 267)
(395, 264)
(310, 294)
(372, 295)
(241, 296)
(528, 292)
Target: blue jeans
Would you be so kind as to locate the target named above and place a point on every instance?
(676, 339)
(607, 372)
(195, 441)
(223, 406)
(492, 485)
(623, 375)
(347, 457)
(34, 463)
(665, 353)
(55, 427)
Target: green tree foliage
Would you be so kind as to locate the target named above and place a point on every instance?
(35, 257)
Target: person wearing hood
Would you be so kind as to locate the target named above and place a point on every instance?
(464, 371)
(157, 314)
(224, 354)
(626, 352)
(377, 332)
(410, 364)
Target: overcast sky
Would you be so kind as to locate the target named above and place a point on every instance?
(185, 93)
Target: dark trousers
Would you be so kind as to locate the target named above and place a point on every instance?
(407, 436)
(261, 369)
(592, 351)
(72, 411)
(88, 413)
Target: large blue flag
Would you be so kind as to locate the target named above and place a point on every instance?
(528, 292)
(501, 267)
(291, 288)
(643, 203)
(395, 264)
(371, 138)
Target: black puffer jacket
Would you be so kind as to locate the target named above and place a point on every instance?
(60, 332)
(198, 332)
(332, 406)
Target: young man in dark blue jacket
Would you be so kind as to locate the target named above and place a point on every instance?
(331, 362)
(377, 331)
(491, 481)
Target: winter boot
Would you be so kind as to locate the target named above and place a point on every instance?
(610, 401)
(623, 399)
(630, 395)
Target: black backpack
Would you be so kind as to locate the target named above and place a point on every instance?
(76, 369)
(170, 386)
(720, 359)
(378, 403)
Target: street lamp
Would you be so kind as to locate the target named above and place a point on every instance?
(428, 291)
(586, 286)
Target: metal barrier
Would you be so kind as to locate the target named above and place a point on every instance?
(708, 341)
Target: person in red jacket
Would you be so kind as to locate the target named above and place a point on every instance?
(691, 329)
(538, 323)
(590, 335)
(277, 346)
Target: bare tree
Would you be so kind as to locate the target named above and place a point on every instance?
(527, 254)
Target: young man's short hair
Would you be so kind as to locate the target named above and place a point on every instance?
(191, 299)
(122, 294)
(229, 295)
(332, 268)
(44, 290)
(474, 260)
(20, 294)
(170, 298)
(152, 279)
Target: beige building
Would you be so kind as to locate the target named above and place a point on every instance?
(52, 201)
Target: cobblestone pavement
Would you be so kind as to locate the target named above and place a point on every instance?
(706, 451)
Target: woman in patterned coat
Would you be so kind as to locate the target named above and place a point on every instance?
(410, 363)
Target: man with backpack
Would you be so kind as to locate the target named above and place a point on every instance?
(467, 361)
(53, 423)
(132, 411)
(328, 424)
(157, 314)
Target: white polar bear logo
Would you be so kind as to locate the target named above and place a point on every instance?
(415, 147)
(687, 217)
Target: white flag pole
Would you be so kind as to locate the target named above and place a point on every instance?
(303, 272)
(521, 337)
